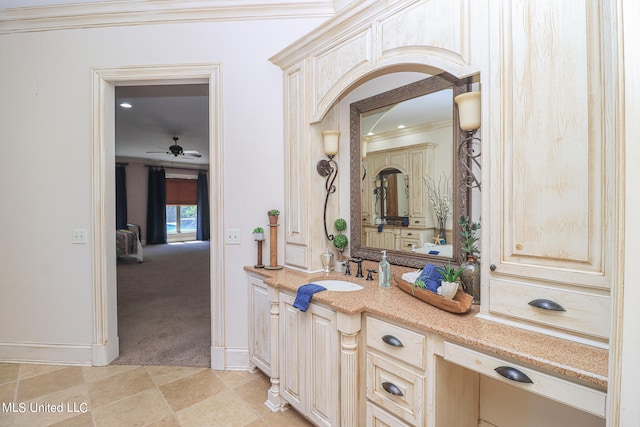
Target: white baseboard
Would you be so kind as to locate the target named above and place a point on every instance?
(237, 359)
(105, 354)
(45, 353)
(230, 359)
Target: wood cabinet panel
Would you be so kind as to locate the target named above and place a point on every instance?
(259, 325)
(549, 117)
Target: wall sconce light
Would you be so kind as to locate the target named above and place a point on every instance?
(329, 169)
(469, 149)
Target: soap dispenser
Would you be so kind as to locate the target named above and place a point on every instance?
(384, 272)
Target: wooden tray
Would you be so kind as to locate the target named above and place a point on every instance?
(461, 302)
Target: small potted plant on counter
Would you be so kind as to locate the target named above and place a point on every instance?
(450, 284)
(340, 241)
(258, 233)
(273, 216)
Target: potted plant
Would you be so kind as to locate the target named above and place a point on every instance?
(340, 241)
(449, 284)
(470, 276)
(273, 216)
(258, 233)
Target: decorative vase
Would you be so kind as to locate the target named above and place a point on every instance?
(258, 236)
(273, 219)
(327, 261)
(339, 261)
(470, 277)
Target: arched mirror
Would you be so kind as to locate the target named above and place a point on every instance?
(407, 192)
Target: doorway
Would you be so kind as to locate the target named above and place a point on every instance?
(163, 287)
(106, 345)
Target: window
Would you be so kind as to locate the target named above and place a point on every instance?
(182, 209)
(181, 218)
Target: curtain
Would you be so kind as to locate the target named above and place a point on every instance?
(202, 230)
(121, 197)
(156, 207)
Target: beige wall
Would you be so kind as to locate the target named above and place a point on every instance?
(45, 117)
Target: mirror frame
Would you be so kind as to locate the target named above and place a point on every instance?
(459, 189)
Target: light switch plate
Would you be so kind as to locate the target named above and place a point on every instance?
(79, 236)
(232, 236)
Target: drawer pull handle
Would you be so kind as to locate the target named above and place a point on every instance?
(391, 388)
(391, 340)
(513, 374)
(409, 234)
(546, 304)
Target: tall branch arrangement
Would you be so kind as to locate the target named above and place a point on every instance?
(440, 197)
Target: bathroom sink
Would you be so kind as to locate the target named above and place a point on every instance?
(338, 285)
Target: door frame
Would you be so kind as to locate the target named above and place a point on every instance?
(104, 80)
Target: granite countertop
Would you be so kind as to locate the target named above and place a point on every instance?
(584, 363)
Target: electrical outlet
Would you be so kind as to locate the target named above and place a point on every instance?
(79, 236)
(232, 237)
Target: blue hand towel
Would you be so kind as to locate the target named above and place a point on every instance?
(305, 292)
(431, 277)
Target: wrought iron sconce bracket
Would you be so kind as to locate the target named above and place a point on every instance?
(328, 169)
(468, 155)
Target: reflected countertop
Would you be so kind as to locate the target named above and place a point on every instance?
(581, 362)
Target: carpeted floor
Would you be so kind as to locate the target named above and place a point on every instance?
(164, 307)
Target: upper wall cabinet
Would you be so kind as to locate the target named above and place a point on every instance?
(551, 143)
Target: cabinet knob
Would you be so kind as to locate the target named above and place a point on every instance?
(546, 304)
(391, 388)
(513, 374)
(492, 267)
(393, 341)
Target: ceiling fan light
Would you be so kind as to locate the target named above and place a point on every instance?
(126, 105)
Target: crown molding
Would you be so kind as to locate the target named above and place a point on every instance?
(140, 12)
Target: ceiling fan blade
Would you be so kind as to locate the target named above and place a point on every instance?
(158, 152)
(192, 153)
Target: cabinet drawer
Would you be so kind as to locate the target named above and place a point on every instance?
(377, 417)
(396, 389)
(584, 312)
(554, 388)
(403, 344)
(406, 244)
(418, 221)
(411, 233)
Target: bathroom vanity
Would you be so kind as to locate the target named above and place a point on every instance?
(537, 345)
(378, 355)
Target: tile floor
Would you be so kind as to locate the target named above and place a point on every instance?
(122, 396)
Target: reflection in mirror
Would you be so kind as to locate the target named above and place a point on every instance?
(391, 197)
(408, 200)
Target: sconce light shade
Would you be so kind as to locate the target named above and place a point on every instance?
(469, 110)
(363, 147)
(331, 138)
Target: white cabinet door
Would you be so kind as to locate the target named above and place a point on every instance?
(323, 374)
(550, 138)
(292, 352)
(259, 330)
(550, 202)
(309, 373)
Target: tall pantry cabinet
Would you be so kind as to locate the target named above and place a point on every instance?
(551, 174)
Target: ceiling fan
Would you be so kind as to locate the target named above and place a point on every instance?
(177, 151)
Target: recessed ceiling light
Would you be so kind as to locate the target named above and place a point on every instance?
(370, 134)
(125, 105)
(401, 126)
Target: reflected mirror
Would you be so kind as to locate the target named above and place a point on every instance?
(405, 196)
